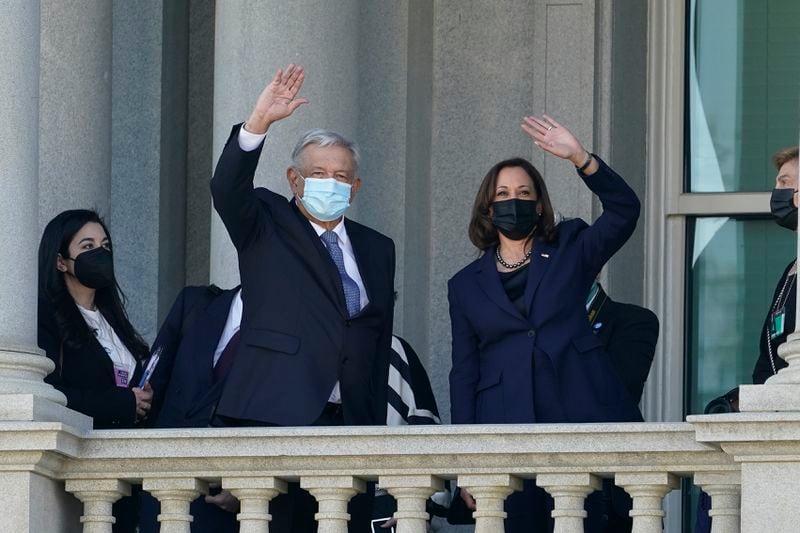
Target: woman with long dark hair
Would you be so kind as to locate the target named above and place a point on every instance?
(83, 326)
(523, 350)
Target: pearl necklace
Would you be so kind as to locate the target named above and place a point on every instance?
(513, 266)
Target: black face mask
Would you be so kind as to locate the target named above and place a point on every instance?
(781, 205)
(515, 218)
(95, 268)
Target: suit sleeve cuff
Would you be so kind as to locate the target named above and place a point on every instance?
(249, 141)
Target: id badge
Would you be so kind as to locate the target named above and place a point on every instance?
(120, 376)
(776, 323)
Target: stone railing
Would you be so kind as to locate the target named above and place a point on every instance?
(333, 464)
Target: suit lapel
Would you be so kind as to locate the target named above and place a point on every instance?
(541, 257)
(308, 246)
(489, 282)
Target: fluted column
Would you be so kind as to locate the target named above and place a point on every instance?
(490, 492)
(175, 496)
(569, 492)
(254, 495)
(725, 490)
(98, 497)
(411, 493)
(332, 494)
(647, 489)
(22, 366)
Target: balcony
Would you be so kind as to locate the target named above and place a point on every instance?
(720, 453)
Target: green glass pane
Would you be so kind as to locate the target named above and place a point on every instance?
(743, 87)
(733, 267)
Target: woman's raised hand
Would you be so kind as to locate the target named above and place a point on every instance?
(278, 100)
(554, 138)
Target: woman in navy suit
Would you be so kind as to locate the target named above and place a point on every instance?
(523, 350)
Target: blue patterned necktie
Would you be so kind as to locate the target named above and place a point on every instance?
(352, 295)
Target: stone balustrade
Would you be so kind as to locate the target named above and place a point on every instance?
(334, 464)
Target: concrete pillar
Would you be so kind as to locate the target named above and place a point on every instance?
(490, 492)
(332, 494)
(725, 491)
(647, 489)
(22, 366)
(251, 42)
(75, 107)
(569, 492)
(98, 497)
(148, 166)
(175, 496)
(254, 494)
(411, 493)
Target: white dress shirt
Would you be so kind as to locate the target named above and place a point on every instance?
(119, 354)
(231, 325)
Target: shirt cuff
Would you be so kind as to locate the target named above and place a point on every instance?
(249, 141)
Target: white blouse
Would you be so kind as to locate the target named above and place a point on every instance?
(120, 356)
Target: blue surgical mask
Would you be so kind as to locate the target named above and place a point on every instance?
(325, 199)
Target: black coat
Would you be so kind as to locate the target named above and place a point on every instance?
(184, 392)
(86, 377)
(630, 334)
(296, 337)
(763, 368)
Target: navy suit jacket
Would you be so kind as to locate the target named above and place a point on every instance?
(296, 337)
(184, 392)
(493, 344)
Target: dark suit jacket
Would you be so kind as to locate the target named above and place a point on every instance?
(184, 392)
(630, 334)
(492, 377)
(296, 337)
(86, 377)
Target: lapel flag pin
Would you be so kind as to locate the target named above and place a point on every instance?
(546, 256)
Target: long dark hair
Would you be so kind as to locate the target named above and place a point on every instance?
(482, 232)
(54, 296)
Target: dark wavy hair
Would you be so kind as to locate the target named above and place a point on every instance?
(56, 299)
(482, 232)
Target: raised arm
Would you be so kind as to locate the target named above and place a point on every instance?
(621, 207)
(232, 184)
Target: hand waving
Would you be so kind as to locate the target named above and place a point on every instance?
(278, 100)
(554, 138)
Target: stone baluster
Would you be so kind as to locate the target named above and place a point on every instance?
(254, 495)
(332, 494)
(647, 489)
(569, 492)
(175, 495)
(725, 491)
(490, 492)
(411, 493)
(98, 497)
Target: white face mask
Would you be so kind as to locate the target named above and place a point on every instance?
(325, 199)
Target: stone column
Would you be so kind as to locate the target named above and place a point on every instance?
(175, 495)
(254, 494)
(569, 492)
(75, 107)
(22, 367)
(647, 490)
(411, 493)
(725, 491)
(332, 494)
(98, 497)
(490, 492)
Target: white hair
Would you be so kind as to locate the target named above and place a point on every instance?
(321, 137)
